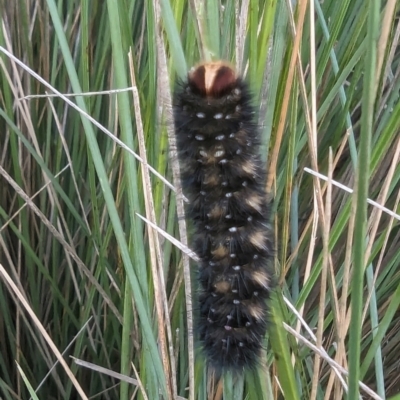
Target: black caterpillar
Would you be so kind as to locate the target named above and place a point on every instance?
(221, 172)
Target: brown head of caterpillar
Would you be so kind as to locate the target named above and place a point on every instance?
(213, 79)
(224, 180)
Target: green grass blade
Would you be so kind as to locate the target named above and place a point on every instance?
(27, 383)
(368, 100)
(280, 347)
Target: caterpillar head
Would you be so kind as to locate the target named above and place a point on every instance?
(213, 79)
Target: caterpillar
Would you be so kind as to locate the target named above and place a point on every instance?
(222, 176)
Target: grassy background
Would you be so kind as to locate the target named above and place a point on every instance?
(83, 275)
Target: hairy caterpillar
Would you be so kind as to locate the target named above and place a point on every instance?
(222, 176)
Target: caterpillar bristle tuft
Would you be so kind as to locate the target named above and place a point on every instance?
(224, 180)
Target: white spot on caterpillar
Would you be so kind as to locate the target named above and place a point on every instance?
(199, 137)
(232, 255)
(250, 218)
(238, 151)
(233, 229)
(232, 135)
(238, 108)
(236, 301)
(237, 91)
(228, 216)
(228, 328)
(228, 116)
(229, 194)
(255, 293)
(203, 153)
(244, 183)
(236, 267)
(229, 317)
(225, 183)
(255, 256)
(202, 192)
(218, 116)
(220, 137)
(200, 115)
(223, 161)
(234, 290)
(241, 344)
